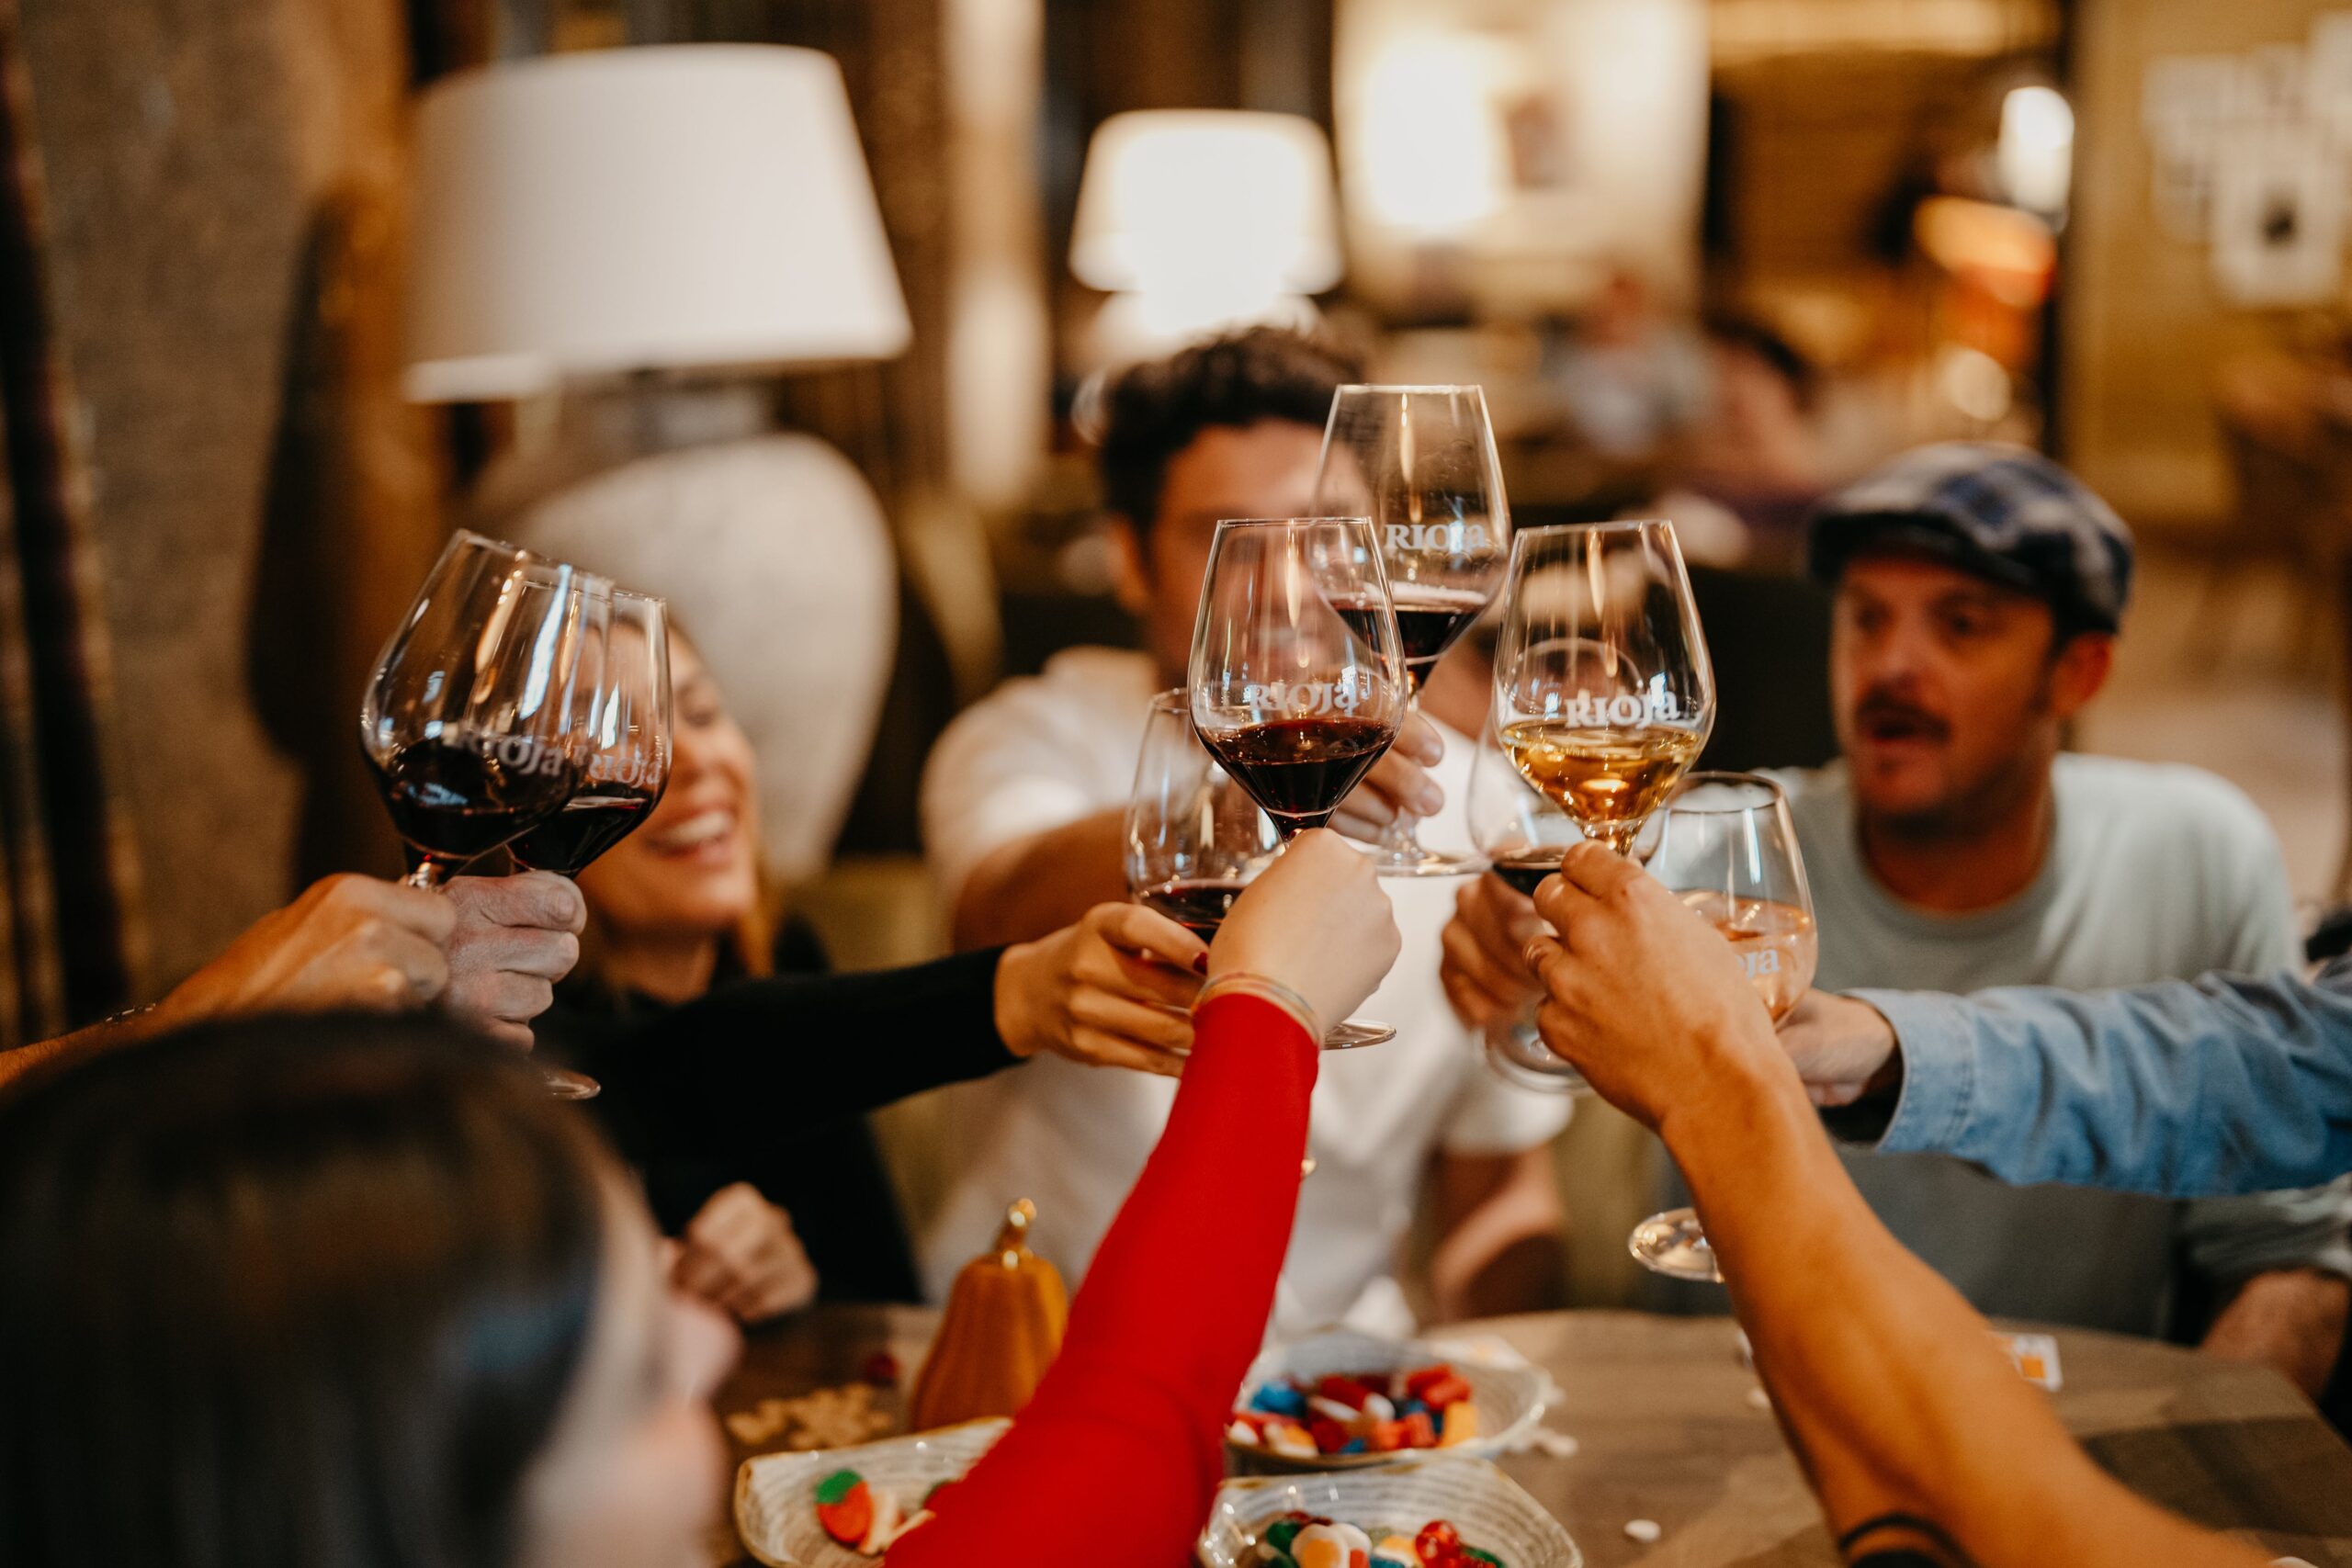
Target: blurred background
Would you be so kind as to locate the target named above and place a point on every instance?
(291, 288)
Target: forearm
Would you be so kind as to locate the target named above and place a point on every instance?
(2226, 1085)
(1122, 1440)
(1042, 883)
(1891, 1390)
(736, 1064)
(2291, 1320)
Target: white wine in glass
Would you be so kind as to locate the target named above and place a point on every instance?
(1603, 693)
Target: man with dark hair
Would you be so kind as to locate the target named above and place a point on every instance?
(1956, 845)
(1022, 803)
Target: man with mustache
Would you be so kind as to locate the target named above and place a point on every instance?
(1955, 846)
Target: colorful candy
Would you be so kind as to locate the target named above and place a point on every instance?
(865, 1520)
(1377, 1412)
(845, 1507)
(1305, 1541)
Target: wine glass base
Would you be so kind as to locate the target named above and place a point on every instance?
(1411, 860)
(1356, 1034)
(1674, 1244)
(564, 1084)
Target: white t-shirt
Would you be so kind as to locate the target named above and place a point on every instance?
(1043, 752)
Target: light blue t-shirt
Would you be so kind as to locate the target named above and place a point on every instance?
(2154, 871)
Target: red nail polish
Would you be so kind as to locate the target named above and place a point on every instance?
(1200, 964)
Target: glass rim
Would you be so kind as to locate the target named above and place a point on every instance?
(1175, 699)
(1223, 523)
(1611, 525)
(1774, 793)
(1345, 386)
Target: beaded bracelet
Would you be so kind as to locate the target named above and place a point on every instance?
(1265, 990)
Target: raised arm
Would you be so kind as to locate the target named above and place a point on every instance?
(1121, 1443)
(2226, 1085)
(1887, 1383)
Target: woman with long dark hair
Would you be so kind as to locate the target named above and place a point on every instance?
(351, 1293)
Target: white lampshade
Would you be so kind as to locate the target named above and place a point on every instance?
(644, 208)
(1207, 202)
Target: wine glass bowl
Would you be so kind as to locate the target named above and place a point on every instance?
(473, 719)
(1604, 694)
(624, 747)
(1420, 464)
(1726, 846)
(1297, 685)
(1195, 838)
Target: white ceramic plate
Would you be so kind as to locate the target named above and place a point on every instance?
(1509, 1399)
(1480, 1501)
(775, 1494)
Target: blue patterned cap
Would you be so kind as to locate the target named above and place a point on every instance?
(2002, 513)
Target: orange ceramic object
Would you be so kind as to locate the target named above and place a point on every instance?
(1002, 1329)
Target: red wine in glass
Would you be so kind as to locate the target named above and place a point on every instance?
(1300, 769)
(452, 802)
(1429, 621)
(591, 822)
(1200, 906)
(1527, 874)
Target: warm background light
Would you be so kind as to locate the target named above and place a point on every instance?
(1204, 219)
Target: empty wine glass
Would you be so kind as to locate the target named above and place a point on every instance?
(1522, 833)
(473, 719)
(1419, 462)
(1726, 844)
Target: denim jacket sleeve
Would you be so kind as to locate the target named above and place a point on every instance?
(2185, 1089)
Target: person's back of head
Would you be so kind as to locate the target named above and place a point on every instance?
(288, 1293)
(1154, 411)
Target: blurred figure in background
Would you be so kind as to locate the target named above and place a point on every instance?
(1754, 452)
(697, 1014)
(1979, 591)
(1632, 376)
(1022, 803)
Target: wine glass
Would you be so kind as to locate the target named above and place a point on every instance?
(1420, 463)
(1726, 844)
(1297, 685)
(1603, 691)
(623, 757)
(473, 719)
(1522, 833)
(625, 751)
(1195, 838)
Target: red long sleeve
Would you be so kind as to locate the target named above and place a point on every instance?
(1122, 1445)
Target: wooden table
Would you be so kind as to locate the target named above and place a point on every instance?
(1666, 1431)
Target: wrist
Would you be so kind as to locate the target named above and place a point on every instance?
(1242, 982)
(1014, 1005)
(1742, 1095)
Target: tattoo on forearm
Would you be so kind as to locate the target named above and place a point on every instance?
(1901, 1540)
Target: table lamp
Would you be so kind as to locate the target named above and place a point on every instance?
(1197, 220)
(583, 220)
